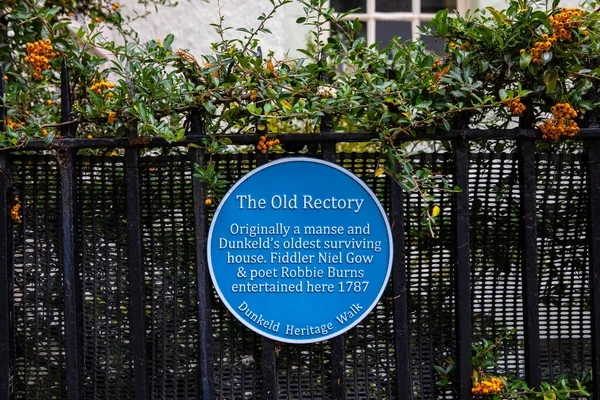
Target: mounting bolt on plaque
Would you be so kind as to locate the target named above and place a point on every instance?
(300, 250)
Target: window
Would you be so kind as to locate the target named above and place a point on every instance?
(384, 19)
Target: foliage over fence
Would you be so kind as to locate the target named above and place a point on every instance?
(525, 61)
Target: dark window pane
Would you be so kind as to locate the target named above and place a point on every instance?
(433, 6)
(393, 5)
(386, 30)
(433, 44)
(345, 5)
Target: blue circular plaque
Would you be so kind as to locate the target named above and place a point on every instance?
(300, 250)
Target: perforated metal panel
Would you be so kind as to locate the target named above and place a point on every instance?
(496, 276)
(104, 278)
(37, 293)
(563, 260)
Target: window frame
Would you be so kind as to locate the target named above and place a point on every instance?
(371, 17)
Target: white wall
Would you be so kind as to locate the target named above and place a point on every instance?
(502, 4)
(190, 23)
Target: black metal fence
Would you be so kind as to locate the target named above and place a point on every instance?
(104, 291)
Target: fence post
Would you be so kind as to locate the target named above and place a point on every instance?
(400, 288)
(136, 270)
(527, 180)
(268, 356)
(400, 284)
(593, 167)
(338, 346)
(463, 272)
(6, 320)
(6, 373)
(204, 288)
(593, 172)
(72, 284)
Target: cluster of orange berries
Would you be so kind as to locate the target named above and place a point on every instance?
(14, 125)
(563, 22)
(15, 212)
(115, 6)
(515, 106)
(541, 47)
(264, 144)
(103, 85)
(487, 387)
(39, 55)
(561, 123)
(112, 116)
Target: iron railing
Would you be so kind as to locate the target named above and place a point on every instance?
(104, 290)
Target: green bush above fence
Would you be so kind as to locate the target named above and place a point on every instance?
(525, 64)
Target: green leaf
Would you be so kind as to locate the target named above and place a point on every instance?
(440, 370)
(503, 95)
(142, 111)
(550, 79)
(498, 16)
(525, 60)
(168, 41)
(446, 124)
(209, 107)
(546, 57)
(48, 138)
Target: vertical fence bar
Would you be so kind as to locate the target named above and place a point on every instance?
(529, 261)
(593, 173)
(72, 284)
(5, 282)
(268, 364)
(400, 288)
(204, 288)
(338, 347)
(136, 270)
(269, 369)
(463, 273)
(6, 326)
(268, 357)
(593, 167)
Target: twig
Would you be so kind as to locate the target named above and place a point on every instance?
(41, 19)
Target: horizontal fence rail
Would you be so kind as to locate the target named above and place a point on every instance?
(300, 138)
